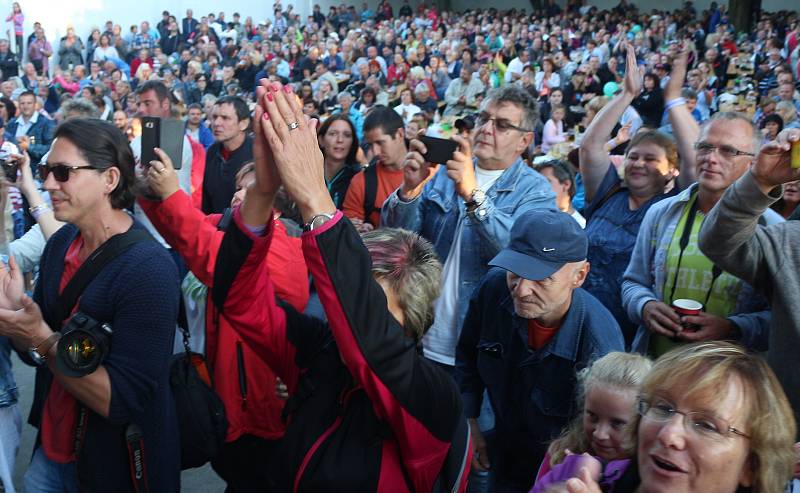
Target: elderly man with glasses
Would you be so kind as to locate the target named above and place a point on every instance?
(467, 207)
(667, 267)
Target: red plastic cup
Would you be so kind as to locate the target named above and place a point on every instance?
(685, 307)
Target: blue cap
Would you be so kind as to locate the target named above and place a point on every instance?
(542, 241)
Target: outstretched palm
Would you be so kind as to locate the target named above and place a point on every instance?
(634, 75)
(11, 285)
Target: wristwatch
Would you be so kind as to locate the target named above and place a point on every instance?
(317, 221)
(476, 200)
(39, 352)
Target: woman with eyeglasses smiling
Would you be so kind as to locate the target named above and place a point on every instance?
(712, 418)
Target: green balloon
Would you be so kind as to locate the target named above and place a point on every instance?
(636, 28)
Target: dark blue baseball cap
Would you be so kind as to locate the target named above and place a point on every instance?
(542, 241)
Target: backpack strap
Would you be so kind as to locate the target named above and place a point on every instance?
(370, 188)
(101, 257)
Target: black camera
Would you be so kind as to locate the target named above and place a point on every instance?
(84, 344)
(9, 166)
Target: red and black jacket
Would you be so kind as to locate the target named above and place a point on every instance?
(368, 412)
(242, 380)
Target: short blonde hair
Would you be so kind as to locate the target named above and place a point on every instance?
(705, 368)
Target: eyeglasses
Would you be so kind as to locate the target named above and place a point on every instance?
(60, 171)
(702, 425)
(500, 124)
(725, 151)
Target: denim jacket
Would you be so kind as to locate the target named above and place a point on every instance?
(435, 214)
(532, 391)
(646, 275)
(8, 387)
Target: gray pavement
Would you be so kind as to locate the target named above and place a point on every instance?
(200, 480)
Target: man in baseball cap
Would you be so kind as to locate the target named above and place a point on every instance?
(529, 328)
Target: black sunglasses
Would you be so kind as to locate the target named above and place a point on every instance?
(60, 171)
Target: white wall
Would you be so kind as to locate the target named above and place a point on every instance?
(55, 15)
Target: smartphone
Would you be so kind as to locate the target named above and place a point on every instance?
(439, 150)
(164, 133)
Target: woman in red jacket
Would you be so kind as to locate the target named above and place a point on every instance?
(243, 381)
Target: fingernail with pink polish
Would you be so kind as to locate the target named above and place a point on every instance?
(287, 89)
(270, 97)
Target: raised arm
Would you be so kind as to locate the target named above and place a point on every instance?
(419, 403)
(731, 236)
(594, 160)
(684, 126)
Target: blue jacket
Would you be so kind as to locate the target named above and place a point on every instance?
(42, 132)
(205, 136)
(532, 392)
(435, 214)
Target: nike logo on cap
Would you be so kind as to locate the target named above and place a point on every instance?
(548, 249)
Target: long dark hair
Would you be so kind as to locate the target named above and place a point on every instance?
(323, 129)
(103, 146)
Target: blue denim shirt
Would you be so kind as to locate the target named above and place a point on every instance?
(435, 214)
(8, 386)
(532, 391)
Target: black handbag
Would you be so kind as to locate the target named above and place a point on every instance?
(202, 425)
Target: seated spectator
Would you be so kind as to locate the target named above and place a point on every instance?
(548, 78)
(325, 96)
(423, 99)
(735, 429)
(787, 205)
(533, 308)
(428, 445)
(606, 401)
(346, 108)
(553, 132)
(650, 103)
(407, 109)
(462, 93)
(788, 113)
(384, 133)
(366, 100)
(562, 180)
(339, 144)
(418, 125)
(734, 239)
(771, 125)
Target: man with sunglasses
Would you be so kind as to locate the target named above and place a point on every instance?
(667, 265)
(466, 210)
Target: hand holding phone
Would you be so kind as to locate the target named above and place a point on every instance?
(438, 151)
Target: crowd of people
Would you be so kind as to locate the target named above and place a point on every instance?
(613, 242)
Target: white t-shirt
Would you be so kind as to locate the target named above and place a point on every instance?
(439, 344)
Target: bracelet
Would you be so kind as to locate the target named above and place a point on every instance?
(40, 210)
(672, 103)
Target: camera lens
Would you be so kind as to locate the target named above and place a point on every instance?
(81, 351)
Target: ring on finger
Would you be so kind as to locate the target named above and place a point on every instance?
(294, 125)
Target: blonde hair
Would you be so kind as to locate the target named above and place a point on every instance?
(704, 369)
(624, 371)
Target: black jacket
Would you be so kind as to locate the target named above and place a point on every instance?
(9, 65)
(219, 178)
